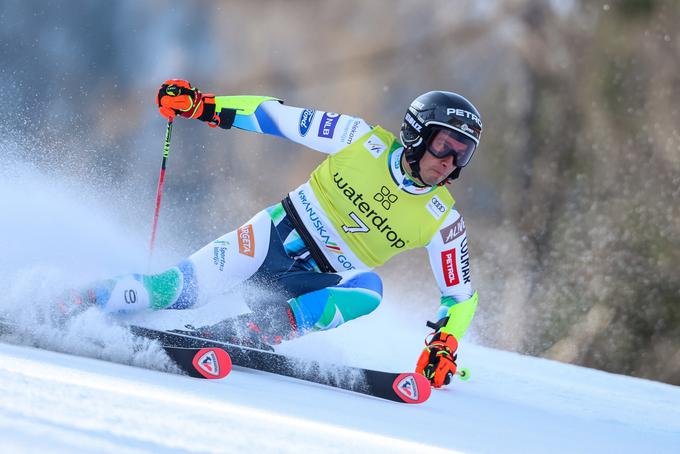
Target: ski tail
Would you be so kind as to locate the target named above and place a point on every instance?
(412, 388)
(210, 363)
(194, 361)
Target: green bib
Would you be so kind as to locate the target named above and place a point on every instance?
(371, 212)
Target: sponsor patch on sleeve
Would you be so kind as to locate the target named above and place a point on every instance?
(453, 231)
(305, 123)
(246, 240)
(449, 268)
(329, 121)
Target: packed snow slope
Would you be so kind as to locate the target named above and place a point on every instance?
(54, 402)
(92, 388)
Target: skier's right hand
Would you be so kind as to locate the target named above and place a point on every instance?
(437, 361)
(178, 97)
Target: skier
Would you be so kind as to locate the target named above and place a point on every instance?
(312, 254)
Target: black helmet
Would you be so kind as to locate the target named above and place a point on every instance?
(440, 110)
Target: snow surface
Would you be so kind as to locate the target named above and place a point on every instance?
(113, 396)
(54, 402)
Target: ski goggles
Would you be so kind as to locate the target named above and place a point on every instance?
(445, 142)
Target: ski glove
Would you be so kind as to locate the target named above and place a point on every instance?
(437, 362)
(178, 97)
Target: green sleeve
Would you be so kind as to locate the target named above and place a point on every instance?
(245, 112)
(243, 105)
(460, 315)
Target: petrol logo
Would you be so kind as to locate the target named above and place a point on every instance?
(449, 268)
(465, 114)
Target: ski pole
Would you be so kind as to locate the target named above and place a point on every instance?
(159, 190)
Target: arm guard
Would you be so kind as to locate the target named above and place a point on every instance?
(239, 111)
(458, 315)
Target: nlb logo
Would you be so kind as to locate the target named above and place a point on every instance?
(327, 126)
(246, 240)
(305, 123)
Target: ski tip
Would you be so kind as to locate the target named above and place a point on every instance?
(412, 388)
(212, 363)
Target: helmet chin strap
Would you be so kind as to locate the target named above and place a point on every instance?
(453, 175)
(413, 157)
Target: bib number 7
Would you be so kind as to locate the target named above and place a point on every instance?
(359, 228)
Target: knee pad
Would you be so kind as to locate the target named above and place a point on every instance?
(355, 296)
(367, 280)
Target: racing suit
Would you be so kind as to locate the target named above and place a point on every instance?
(314, 252)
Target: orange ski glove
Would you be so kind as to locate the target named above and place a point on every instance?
(178, 97)
(437, 362)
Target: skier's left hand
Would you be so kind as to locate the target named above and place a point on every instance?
(178, 97)
(437, 362)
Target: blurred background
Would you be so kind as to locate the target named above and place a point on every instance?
(571, 203)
